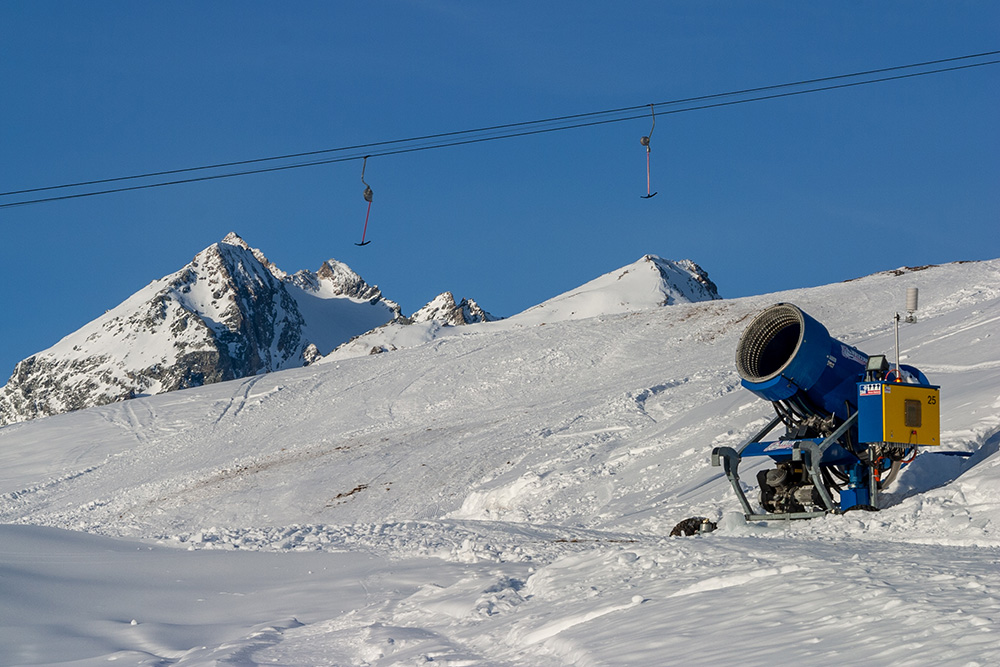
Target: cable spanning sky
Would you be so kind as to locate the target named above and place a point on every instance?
(515, 130)
(781, 193)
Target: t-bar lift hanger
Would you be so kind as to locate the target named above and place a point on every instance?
(368, 195)
(645, 142)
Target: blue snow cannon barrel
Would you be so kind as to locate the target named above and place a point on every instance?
(785, 355)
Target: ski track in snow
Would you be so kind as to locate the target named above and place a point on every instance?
(501, 496)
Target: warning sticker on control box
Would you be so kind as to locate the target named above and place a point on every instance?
(873, 389)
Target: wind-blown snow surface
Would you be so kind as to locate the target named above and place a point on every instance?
(503, 496)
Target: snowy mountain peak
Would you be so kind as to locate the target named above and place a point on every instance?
(232, 238)
(229, 313)
(444, 309)
(649, 282)
(686, 276)
(336, 279)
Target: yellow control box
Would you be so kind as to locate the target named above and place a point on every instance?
(904, 414)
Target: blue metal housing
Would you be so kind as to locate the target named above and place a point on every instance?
(784, 354)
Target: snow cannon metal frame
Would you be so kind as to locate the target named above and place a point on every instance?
(851, 421)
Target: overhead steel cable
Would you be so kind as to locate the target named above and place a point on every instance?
(504, 126)
(449, 139)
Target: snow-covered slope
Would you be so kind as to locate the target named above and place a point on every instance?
(503, 497)
(228, 314)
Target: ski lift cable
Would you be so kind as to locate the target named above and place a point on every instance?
(457, 142)
(449, 139)
(505, 126)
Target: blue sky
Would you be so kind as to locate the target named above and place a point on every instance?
(765, 196)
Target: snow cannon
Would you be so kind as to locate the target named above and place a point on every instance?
(786, 357)
(851, 420)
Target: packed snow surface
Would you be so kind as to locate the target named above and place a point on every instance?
(502, 494)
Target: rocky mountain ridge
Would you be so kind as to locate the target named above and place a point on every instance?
(443, 308)
(649, 282)
(229, 313)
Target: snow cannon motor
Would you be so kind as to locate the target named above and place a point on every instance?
(851, 420)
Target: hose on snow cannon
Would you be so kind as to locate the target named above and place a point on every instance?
(850, 420)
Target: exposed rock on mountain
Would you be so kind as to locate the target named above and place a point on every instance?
(424, 325)
(230, 313)
(336, 279)
(444, 309)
